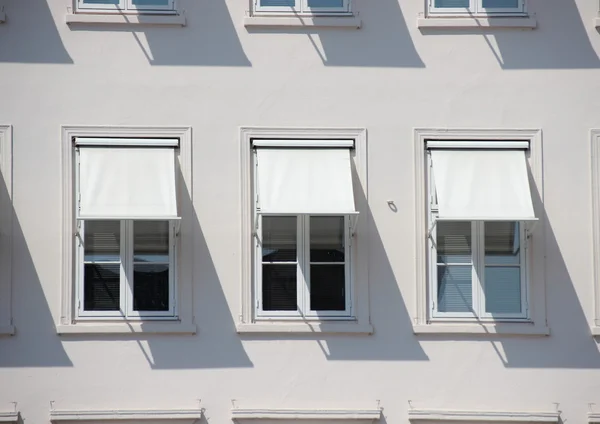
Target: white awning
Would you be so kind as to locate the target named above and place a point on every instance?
(305, 181)
(127, 183)
(482, 185)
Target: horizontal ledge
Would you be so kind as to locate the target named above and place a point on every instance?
(114, 142)
(305, 414)
(451, 144)
(305, 328)
(502, 329)
(110, 18)
(351, 22)
(594, 417)
(9, 417)
(92, 415)
(126, 328)
(484, 416)
(595, 330)
(7, 330)
(471, 23)
(303, 143)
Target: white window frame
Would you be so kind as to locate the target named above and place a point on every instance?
(6, 216)
(423, 321)
(126, 287)
(249, 321)
(303, 272)
(476, 9)
(301, 7)
(125, 6)
(182, 322)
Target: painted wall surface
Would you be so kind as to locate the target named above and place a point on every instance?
(216, 76)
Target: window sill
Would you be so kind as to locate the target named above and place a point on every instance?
(126, 328)
(500, 329)
(349, 22)
(9, 417)
(181, 415)
(335, 327)
(417, 415)
(320, 414)
(119, 19)
(7, 330)
(525, 22)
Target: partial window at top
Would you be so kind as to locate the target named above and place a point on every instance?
(477, 7)
(133, 6)
(308, 7)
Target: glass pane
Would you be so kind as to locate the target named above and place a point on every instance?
(452, 3)
(148, 3)
(151, 241)
(277, 3)
(455, 290)
(150, 287)
(101, 287)
(327, 239)
(102, 241)
(503, 290)
(501, 4)
(453, 242)
(327, 288)
(279, 238)
(115, 2)
(502, 243)
(279, 288)
(325, 3)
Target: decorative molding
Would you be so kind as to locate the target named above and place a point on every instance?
(305, 414)
(342, 22)
(416, 415)
(123, 19)
(360, 250)
(6, 230)
(67, 324)
(500, 329)
(526, 22)
(9, 417)
(537, 286)
(190, 415)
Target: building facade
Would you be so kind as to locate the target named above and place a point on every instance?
(282, 211)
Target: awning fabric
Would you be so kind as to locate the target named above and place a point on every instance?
(482, 185)
(305, 181)
(127, 183)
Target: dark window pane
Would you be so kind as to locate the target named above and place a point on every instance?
(101, 287)
(327, 239)
(279, 288)
(453, 242)
(503, 290)
(279, 235)
(327, 288)
(151, 241)
(102, 241)
(501, 4)
(455, 291)
(325, 3)
(452, 3)
(150, 287)
(502, 243)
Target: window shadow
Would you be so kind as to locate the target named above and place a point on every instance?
(383, 40)
(30, 34)
(561, 40)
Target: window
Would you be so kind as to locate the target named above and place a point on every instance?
(305, 268)
(133, 6)
(480, 219)
(477, 7)
(308, 7)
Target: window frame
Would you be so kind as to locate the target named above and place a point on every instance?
(247, 322)
(303, 265)
(301, 8)
(7, 327)
(125, 6)
(183, 321)
(476, 9)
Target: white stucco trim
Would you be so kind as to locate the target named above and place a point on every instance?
(246, 319)
(417, 415)
(66, 323)
(6, 215)
(125, 19)
(9, 417)
(189, 415)
(305, 414)
(526, 22)
(595, 162)
(348, 22)
(536, 255)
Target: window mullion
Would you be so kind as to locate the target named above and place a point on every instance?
(126, 300)
(478, 259)
(303, 249)
(348, 264)
(302, 5)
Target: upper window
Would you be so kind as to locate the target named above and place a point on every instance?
(477, 7)
(308, 7)
(304, 213)
(480, 219)
(127, 225)
(133, 6)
